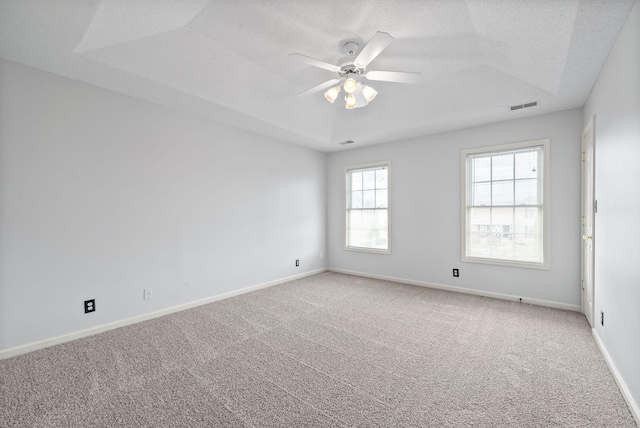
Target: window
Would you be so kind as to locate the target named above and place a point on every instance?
(367, 207)
(505, 205)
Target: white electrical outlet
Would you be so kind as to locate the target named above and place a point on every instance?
(147, 293)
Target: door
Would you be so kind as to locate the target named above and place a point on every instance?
(588, 214)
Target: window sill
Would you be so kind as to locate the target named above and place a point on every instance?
(508, 263)
(367, 250)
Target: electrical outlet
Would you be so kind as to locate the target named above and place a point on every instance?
(147, 294)
(456, 273)
(89, 306)
(297, 262)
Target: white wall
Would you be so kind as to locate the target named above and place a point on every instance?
(102, 195)
(615, 103)
(425, 211)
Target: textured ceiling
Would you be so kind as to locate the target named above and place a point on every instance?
(228, 60)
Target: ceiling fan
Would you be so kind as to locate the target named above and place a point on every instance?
(351, 69)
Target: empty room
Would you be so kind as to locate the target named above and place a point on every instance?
(308, 214)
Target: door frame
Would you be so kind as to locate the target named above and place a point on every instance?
(588, 212)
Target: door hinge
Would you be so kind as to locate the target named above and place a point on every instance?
(583, 220)
(582, 156)
(595, 206)
(582, 284)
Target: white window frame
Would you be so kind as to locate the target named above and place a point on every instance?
(345, 194)
(546, 208)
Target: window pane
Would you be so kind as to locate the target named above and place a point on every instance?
(478, 227)
(527, 192)
(367, 229)
(481, 169)
(478, 220)
(368, 180)
(369, 199)
(356, 181)
(527, 164)
(505, 234)
(528, 233)
(381, 229)
(502, 167)
(354, 228)
(481, 194)
(381, 179)
(502, 193)
(356, 199)
(492, 230)
(500, 243)
(381, 198)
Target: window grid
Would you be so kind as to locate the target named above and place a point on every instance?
(367, 216)
(504, 210)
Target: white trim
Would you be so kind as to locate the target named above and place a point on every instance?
(538, 302)
(34, 346)
(369, 250)
(501, 262)
(583, 199)
(631, 404)
(590, 125)
(546, 203)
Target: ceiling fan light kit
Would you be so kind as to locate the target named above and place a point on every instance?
(350, 101)
(357, 93)
(369, 93)
(350, 85)
(332, 94)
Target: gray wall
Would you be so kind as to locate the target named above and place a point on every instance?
(615, 103)
(102, 195)
(425, 212)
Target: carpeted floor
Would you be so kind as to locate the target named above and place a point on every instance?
(327, 350)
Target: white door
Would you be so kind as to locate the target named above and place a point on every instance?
(588, 211)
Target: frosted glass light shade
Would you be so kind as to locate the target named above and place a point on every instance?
(369, 93)
(350, 85)
(332, 94)
(351, 101)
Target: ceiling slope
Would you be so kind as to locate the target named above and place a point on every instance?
(228, 60)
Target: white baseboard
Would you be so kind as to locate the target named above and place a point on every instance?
(633, 406)
(33, 346)
(539, 302)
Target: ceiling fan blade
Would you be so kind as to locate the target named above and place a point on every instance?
(314, 62)
(377, 44)
(394, 76)
(361, 100)
(320, 87)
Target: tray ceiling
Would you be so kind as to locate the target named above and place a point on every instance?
(228, 60)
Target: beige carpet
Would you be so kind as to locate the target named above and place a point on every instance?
(327, 350)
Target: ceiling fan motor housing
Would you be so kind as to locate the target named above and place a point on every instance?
(350, 70)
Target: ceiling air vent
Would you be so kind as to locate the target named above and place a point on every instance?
(521, 106)
(347, 142)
